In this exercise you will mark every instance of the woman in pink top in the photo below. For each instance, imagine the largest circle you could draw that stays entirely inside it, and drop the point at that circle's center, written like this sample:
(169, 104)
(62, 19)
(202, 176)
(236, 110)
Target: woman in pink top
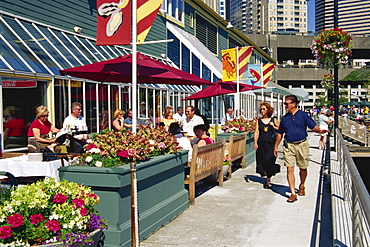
(201, 133)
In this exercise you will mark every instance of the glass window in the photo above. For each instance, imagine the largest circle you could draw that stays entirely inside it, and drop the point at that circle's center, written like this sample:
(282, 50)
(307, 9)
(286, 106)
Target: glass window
(59, 46)
(21, 49)
(103, 106)
(90, 112)
(185, 59)
(206, 73)
(53, 53)
(71, 47)
(195, 65)
(174, 49)
(60, 102)
(19, 114)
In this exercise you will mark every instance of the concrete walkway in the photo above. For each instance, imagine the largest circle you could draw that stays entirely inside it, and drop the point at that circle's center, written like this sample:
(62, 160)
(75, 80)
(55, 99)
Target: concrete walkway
(242, 213)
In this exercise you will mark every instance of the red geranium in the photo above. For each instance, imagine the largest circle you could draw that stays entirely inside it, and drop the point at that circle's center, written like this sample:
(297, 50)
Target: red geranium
(78, 202)
(36, 218)
(60, 198)
(15, 220)
(5, 232)
(53, 225)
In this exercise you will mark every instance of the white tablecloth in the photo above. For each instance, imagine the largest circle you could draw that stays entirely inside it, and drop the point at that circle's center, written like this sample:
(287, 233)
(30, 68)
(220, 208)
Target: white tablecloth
(21, 167)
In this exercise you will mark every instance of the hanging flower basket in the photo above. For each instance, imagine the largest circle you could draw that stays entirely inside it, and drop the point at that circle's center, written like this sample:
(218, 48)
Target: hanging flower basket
(332, 47)
(328, 82)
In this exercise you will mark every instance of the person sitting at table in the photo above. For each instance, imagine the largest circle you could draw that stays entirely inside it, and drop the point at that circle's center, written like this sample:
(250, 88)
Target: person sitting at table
(77, 122)
(201, 133)
(184, 142)
(168, 117)
(38, 133)
(15, 131)
(128, 120)
(118, 122)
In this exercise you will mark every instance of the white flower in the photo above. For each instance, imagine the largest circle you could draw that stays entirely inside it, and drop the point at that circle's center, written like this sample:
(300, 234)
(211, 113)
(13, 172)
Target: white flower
(98, 164)
(94, 150)
(89, 159)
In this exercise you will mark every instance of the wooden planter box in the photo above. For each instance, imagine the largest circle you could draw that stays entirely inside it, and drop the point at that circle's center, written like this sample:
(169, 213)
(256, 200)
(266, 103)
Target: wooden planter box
(161, 194)
(250, 153)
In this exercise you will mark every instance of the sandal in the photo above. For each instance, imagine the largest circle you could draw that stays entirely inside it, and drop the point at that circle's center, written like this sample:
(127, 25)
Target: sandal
(301, 191)
(292, 198)
(267, 185)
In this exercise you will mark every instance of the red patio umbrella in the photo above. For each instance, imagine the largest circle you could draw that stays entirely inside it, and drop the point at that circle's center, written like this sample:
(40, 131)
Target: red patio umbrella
(220, 88)
(149, 70)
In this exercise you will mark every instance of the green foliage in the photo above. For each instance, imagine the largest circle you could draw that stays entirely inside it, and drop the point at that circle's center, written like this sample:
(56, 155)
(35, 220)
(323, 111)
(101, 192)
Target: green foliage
(360, 75)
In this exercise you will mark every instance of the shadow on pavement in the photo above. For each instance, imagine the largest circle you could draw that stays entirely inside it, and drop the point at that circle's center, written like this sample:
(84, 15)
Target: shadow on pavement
(277, 188)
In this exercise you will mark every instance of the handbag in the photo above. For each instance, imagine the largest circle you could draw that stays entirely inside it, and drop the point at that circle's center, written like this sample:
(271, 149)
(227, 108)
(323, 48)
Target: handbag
(274, 131)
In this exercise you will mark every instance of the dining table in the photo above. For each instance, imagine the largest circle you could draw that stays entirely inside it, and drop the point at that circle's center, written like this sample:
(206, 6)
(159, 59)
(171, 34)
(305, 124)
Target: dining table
(20, 166)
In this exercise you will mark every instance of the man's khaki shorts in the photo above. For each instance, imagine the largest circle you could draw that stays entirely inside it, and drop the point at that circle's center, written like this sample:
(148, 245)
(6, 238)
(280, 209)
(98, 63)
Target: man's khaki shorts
(296, 154)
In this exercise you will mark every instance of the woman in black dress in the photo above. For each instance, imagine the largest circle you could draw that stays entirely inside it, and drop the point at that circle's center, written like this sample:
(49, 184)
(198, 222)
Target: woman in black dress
(264, 143)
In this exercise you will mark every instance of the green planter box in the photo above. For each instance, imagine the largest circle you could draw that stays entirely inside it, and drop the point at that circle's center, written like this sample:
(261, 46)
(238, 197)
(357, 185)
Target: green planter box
(250, 153)
(161, 194)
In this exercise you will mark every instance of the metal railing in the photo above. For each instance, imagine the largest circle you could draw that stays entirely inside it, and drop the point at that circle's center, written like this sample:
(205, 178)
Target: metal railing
(354, 192)
(354, 130)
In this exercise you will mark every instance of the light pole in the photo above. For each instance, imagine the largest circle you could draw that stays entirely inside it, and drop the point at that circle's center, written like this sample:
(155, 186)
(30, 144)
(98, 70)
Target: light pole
(336, 86)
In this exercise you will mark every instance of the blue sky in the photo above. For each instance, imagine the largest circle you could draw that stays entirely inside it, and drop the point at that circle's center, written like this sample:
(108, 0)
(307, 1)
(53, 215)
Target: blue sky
(311, 15)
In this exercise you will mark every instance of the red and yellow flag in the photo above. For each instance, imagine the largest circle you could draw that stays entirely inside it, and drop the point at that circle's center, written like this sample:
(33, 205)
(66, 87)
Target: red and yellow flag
(114, 20)
(267, 72)
(229, 62)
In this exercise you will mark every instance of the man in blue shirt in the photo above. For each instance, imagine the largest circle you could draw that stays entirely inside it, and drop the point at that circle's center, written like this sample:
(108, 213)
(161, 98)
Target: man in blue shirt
(127, 123)
(296, 149)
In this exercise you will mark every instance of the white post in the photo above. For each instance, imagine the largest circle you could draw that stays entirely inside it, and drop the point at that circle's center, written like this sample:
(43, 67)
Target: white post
(237, 98)
(134, 65)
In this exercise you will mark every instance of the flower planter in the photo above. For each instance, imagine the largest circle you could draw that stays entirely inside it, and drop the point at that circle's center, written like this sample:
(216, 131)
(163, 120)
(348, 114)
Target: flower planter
(250, 153)
(161, 194)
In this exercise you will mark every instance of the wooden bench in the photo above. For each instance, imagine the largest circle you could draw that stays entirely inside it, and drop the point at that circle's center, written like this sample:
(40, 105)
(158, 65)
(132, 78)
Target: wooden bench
(236, 149)
(205, 161)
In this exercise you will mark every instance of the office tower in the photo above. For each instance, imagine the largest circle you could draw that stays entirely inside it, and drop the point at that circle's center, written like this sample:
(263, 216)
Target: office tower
(269, 16)
(353, 15)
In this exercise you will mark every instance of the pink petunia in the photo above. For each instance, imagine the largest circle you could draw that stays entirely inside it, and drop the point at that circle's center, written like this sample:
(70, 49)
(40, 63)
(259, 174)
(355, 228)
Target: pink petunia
(132, 152)
(35, 218)
(15, 220)
(242, 129)
(5, 232)
(161, 145)
(78, 202)
(83, 211)
(60, 198)
(123, 153)
(93, 195)
(90, 146)
(53, 225)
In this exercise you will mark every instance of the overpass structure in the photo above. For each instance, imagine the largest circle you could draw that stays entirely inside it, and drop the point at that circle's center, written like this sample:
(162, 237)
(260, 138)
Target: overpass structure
(297, 68)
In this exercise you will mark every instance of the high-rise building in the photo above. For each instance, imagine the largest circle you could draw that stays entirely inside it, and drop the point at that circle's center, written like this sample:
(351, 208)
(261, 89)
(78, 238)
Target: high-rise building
(269, 15)
(353, 15)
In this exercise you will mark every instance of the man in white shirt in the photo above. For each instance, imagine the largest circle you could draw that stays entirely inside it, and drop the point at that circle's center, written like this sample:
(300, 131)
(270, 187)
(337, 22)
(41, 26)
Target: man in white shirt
(191, 121)
(76, 122)
(179, 116)
(228, 116)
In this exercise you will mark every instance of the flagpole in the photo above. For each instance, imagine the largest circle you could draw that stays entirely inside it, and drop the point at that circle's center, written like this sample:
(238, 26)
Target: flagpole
(237, 103)
(263, 97)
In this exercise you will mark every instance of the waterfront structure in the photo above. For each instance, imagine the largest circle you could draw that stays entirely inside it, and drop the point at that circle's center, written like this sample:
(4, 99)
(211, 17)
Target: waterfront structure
(267, 16)
(37, 42)
(353, 15)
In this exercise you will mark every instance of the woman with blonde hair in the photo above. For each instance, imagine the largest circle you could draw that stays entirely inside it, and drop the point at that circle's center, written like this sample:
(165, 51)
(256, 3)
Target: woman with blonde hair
(168, 117)
(38, 133)
(118, 122)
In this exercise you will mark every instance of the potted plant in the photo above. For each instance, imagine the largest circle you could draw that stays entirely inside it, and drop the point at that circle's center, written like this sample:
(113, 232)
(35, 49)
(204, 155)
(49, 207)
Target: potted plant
(239, 127)
(49, 212)
(160, 179)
